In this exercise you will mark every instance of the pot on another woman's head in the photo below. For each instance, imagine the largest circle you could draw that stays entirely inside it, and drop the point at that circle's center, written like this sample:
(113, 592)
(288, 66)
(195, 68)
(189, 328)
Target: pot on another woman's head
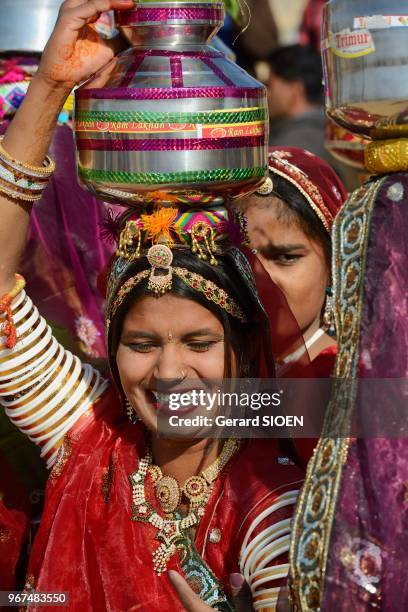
(366, 70)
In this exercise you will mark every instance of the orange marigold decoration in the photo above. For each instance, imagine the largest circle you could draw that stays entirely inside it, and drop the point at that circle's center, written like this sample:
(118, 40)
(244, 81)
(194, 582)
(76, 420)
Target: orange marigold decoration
(159, 224)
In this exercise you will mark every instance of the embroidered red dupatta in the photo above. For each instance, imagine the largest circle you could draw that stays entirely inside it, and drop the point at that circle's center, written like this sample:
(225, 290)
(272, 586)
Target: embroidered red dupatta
(88, 545)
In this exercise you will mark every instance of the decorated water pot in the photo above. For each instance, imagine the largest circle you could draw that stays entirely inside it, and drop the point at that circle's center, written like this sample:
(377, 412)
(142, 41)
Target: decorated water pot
(171, 118)
(365, 45)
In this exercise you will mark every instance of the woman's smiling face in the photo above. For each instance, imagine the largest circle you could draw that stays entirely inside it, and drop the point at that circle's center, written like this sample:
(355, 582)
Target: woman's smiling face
(294, 261)
(163, 341)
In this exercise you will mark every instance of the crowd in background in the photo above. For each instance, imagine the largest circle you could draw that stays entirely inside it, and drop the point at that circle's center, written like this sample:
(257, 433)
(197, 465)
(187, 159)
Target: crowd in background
(281, 47)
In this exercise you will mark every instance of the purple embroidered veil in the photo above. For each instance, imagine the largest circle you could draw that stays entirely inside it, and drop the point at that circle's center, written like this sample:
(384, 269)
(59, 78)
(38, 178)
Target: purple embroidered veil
(350, 544)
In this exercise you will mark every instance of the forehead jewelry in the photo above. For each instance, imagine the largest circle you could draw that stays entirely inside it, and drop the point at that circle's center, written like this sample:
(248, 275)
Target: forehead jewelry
(160, 258)
(170, 336)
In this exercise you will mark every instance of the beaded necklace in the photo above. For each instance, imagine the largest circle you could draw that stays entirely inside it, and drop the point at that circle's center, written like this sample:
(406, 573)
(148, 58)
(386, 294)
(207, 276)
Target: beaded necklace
(171, 530)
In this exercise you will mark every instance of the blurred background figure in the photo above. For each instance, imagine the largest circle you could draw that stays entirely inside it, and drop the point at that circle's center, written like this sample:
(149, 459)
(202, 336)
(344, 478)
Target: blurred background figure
(311, 26)
(295, 100)
(251, 44)
(254, 28)
(288, 17)
(289, 226)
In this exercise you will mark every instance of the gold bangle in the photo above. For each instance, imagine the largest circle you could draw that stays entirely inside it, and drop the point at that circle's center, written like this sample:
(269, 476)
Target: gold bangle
(14, 195)
(18, 173)
(47, 169)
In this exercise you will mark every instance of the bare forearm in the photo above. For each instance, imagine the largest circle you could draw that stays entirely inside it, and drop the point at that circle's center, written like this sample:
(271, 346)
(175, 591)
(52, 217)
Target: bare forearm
(29, 135)
(27, 140)
(71, 56)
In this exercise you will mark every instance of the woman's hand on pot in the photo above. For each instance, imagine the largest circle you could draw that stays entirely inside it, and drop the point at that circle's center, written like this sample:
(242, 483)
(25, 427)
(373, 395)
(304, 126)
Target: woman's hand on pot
(241, 594)
(75, 51)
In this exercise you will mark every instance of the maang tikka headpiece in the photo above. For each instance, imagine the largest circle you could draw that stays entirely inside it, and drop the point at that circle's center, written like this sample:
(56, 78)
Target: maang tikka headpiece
(154, 234)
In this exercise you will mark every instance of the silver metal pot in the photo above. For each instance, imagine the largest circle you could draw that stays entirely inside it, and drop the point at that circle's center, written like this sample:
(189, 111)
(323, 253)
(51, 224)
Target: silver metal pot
(172, 115)
(365, 53)
(26, 25)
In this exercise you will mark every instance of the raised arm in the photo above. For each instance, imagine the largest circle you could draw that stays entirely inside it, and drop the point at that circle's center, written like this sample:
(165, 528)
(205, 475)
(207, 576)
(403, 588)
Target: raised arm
(72, 55)
(43, 388)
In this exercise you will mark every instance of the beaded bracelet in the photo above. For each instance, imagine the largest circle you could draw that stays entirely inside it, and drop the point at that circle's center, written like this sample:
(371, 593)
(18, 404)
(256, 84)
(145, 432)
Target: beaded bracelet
(9, 329)
(47, 169)
(23, 182)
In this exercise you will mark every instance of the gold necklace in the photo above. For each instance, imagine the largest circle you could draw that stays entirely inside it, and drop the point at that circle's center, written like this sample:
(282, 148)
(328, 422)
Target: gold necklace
(171, 531)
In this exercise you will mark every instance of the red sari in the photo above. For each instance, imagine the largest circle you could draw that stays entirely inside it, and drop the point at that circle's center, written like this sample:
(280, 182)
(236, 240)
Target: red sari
(88, 544)
(14, 518)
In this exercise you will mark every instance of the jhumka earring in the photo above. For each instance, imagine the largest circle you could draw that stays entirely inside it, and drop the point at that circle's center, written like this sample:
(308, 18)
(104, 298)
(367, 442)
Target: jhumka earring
(328, 315)
(203, 244)
(130, 241)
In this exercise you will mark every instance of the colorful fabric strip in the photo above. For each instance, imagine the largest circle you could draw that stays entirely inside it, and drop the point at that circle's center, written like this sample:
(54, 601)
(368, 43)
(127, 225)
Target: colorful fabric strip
(87, 118)
(194, 176)
(157, 93)
(170, 144)
(149, 15)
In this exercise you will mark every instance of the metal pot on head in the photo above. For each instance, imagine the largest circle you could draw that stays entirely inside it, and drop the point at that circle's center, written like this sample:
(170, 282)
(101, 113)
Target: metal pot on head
(171, 119)
(365, 46)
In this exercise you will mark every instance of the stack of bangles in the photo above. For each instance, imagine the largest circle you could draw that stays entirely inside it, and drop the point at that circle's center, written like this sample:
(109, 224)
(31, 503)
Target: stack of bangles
(21, 181)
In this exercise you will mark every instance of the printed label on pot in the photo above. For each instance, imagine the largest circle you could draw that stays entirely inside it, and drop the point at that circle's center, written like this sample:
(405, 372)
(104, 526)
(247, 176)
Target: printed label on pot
(231, 130)
(350, 44)
(377, 22)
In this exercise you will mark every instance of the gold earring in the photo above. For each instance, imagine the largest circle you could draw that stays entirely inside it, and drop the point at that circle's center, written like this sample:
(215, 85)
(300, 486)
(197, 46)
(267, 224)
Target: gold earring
(328, 315)
(202, 231)
(130, 241)
(131, 414)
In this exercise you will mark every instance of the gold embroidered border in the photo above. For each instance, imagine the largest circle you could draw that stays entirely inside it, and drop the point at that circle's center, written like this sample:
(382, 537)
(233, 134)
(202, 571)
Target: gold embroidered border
(5, 535)
(64, 453)
(316, 506)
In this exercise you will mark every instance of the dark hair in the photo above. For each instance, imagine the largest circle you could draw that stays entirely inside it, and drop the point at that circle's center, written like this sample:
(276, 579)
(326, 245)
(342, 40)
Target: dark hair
(296, 206)
(299, 63)
(241, 338)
